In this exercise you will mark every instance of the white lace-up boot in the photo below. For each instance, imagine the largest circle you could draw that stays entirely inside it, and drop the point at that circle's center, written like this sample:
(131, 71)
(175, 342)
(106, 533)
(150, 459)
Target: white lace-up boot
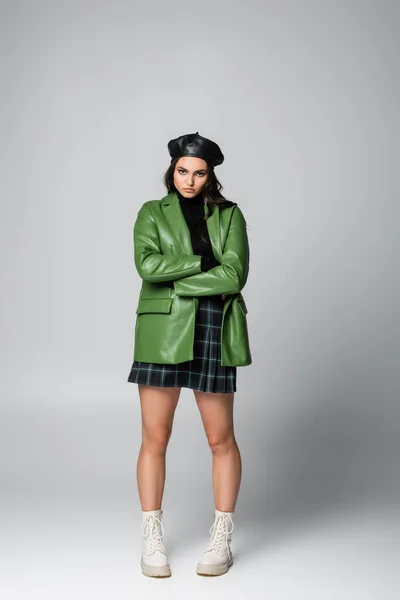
(217, 559)
(154, 560)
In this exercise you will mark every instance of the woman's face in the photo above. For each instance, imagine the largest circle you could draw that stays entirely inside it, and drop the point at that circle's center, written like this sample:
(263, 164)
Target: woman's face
(190, 175)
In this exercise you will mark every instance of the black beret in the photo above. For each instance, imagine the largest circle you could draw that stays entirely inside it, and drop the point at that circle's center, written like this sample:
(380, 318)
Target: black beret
(193, 144)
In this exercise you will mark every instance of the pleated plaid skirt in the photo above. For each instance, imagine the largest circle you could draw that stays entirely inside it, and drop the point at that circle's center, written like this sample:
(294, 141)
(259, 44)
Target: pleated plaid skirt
(205, 372)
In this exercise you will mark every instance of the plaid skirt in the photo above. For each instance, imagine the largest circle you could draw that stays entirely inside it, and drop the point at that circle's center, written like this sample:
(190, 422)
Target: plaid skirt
(204, 372)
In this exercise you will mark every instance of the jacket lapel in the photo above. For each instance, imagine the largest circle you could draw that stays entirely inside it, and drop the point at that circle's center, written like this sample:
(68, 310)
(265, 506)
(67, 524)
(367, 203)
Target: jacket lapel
(174, 215)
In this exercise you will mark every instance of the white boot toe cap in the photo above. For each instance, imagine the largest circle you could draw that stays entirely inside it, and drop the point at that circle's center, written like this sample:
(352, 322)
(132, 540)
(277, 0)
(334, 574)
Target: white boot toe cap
(157, 559)
(211, 557)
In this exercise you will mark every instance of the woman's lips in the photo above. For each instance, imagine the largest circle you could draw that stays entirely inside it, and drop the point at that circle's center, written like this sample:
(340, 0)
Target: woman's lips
(188, 189)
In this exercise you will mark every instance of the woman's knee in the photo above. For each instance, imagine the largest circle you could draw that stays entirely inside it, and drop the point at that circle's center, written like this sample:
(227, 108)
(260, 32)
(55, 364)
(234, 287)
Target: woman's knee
(221, 443)
(155, 438)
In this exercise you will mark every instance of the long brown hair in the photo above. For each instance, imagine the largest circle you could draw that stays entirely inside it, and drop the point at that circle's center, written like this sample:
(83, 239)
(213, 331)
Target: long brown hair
(211, 191)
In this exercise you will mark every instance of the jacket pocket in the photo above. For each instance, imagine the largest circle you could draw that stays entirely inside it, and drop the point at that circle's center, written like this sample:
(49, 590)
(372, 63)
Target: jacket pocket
(242, 306)
(154, 305)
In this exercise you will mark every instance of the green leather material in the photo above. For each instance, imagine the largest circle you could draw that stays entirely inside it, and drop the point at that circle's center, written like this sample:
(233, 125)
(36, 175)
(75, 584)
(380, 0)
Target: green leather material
(165, 316)
(154, 305)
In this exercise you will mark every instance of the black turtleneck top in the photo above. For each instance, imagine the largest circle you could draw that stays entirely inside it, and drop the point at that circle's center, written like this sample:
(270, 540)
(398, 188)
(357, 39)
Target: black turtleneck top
(193, 211)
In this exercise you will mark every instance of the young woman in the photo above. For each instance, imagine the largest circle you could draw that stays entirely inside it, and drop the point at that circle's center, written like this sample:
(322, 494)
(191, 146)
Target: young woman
(191, 251)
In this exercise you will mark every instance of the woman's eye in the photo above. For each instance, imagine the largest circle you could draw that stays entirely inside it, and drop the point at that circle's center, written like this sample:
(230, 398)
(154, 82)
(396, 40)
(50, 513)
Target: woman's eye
(183, 171)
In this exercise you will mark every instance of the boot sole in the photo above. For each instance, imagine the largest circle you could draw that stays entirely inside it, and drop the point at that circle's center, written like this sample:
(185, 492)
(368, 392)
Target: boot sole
(154, 571)
(213, 570)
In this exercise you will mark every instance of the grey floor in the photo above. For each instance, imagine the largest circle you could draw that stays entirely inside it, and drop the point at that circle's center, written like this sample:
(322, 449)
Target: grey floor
(87, 551)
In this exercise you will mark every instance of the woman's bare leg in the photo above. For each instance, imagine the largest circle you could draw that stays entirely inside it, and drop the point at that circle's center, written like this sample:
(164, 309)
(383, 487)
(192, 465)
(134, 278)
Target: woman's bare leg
(216, 412)
(158, 406)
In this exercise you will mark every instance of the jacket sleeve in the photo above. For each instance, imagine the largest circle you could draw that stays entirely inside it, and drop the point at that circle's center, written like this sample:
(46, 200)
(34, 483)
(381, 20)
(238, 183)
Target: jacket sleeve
(150, 263)
(231, 275)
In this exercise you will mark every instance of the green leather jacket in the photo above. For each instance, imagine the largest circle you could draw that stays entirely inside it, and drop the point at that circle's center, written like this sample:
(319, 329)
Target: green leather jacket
(165, 316)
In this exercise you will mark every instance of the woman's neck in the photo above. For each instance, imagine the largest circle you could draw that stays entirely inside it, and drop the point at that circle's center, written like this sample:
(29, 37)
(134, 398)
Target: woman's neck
(196, 199)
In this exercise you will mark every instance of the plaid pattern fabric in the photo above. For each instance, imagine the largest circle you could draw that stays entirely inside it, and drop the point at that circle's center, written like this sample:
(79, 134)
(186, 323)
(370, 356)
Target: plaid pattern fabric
(205, 372)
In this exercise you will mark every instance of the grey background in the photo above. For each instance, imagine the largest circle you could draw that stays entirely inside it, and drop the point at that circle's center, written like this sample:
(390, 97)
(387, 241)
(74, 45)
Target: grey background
(303, 99)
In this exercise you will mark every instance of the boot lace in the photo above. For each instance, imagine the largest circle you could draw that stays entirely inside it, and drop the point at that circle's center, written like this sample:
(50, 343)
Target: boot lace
(153, 528)
(220, 533)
